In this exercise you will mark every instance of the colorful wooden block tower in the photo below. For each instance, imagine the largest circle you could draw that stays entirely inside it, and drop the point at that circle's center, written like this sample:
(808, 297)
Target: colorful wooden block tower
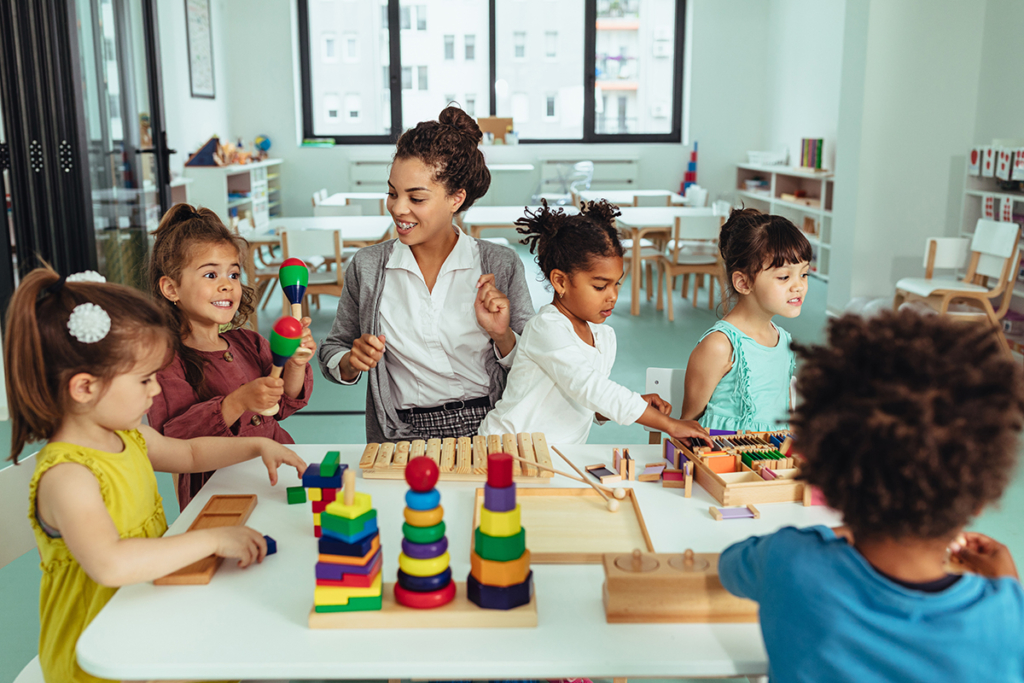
(348, 573)
(500, 576)
(320, 485)
(424, 577)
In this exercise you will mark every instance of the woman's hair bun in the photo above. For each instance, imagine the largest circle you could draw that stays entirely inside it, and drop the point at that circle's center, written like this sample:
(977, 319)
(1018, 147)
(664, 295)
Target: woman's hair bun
(462, 122)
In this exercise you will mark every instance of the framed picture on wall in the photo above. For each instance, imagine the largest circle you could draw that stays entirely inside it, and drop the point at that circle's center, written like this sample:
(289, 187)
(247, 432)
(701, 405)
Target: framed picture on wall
(200, 48)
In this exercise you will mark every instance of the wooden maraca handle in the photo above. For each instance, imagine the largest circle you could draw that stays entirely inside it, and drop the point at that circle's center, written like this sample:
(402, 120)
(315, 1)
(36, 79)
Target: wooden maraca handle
(297, 311)
(275, 372)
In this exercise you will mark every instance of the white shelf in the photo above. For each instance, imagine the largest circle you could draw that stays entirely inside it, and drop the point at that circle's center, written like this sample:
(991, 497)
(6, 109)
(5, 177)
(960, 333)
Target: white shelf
(232, 203)
(788, 170)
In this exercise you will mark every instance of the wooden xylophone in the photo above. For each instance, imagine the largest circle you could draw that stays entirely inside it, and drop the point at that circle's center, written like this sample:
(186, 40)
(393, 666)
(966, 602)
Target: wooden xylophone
(461, 459)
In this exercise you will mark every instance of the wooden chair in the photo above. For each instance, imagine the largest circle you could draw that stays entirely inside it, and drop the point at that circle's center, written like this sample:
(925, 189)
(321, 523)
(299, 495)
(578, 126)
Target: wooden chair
(17, 538)
(994, 253)
(679, 261)
(650, 252)
(327, 282)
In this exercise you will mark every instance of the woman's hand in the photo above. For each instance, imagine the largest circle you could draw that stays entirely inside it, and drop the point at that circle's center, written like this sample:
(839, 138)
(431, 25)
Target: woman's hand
(658, 403)
(982, 555)
(307, 349)
(274, 455)
(365, 354)
(492, 312)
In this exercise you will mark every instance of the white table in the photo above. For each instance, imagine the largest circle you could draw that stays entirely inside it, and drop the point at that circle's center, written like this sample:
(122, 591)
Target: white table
(479, 218)
(356, 231)
(643, 220)
(629, 197)
(253, 623)
(325, 207)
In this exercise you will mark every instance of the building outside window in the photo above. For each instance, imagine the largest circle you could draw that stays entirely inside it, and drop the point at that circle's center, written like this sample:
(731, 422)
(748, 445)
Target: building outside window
(470, 47)
(330, 48)
(422, 77)
(471, 105)
(519, 43)
(405, 17)
(449, 48)
(332, 107)
(549, 106)
(421, 17)
(351, 48)
(551, 44)
(353, 108)
(406, 78)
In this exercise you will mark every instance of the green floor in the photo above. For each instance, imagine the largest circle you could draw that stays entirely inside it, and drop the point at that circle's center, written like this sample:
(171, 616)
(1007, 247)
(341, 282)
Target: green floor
(647, 340)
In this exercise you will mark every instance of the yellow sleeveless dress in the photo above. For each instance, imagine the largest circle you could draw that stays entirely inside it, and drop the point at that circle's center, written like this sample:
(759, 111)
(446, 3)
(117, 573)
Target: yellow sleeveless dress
(68, 599)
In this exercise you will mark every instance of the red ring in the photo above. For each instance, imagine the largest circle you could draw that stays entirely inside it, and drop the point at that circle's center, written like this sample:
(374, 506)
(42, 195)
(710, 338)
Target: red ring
(425, 600)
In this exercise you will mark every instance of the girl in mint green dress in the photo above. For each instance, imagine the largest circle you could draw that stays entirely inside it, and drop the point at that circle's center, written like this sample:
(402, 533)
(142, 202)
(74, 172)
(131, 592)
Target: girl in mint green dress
(738, 377)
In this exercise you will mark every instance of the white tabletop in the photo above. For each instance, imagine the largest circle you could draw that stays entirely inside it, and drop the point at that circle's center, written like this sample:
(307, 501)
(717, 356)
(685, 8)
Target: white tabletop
(627, 196)
(341, 198)
(252, 623)
(510, 167)
(502, 215)
(658, 216)
(353, 228)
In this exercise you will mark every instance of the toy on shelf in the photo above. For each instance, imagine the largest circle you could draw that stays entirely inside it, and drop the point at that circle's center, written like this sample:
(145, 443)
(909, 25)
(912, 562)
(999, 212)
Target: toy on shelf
(744, 468)
(219, 511)
(320, 485)
(660, 588)
(294, 277)
(500, 577)
(348, 573)
(462, 459)
(424, 577)
(285, 339)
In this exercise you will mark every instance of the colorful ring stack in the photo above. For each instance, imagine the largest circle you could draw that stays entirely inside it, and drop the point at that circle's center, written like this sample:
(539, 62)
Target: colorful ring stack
(424, 577)
(348, 573)
(500, 576)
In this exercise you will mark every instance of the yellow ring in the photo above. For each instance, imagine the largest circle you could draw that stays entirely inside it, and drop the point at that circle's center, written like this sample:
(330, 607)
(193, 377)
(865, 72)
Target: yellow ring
(500, 524)
(431, 567)
(424, 518)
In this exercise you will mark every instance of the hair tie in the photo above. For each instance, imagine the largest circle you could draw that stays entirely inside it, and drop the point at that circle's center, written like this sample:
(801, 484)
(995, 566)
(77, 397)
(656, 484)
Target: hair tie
(86, 276)
(88, 323)
(52, 289)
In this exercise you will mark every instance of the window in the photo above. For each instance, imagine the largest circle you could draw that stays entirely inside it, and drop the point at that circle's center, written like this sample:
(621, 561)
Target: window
(565, 70)
(447, 99)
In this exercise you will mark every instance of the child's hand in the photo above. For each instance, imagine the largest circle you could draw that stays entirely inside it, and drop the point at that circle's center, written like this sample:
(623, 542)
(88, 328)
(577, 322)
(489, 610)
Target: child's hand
(689, 429)
(241, 542)
(258, 395)
(982, 555)
(366, 353)
(658, 403)
(274, 455)
(492, 307)
(307, 349)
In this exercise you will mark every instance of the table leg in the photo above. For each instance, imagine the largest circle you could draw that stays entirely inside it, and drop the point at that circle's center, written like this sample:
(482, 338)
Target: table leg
(634, 275)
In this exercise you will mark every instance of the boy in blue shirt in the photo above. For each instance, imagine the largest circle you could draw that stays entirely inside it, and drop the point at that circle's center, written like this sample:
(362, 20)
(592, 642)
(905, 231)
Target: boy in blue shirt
(909, 426)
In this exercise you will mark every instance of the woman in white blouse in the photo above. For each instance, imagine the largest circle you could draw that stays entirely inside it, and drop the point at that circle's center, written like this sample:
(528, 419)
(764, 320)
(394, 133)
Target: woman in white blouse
(432, 317)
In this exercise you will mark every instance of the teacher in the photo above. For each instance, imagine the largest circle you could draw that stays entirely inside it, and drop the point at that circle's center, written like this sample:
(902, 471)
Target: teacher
(433, 317)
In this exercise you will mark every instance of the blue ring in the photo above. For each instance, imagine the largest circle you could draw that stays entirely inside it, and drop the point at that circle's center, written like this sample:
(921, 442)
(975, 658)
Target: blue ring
(422, 501)
(424, 584)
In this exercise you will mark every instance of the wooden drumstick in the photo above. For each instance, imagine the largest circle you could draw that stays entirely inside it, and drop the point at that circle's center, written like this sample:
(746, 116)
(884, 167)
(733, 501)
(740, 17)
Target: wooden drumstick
(618, 493)
(613, 505)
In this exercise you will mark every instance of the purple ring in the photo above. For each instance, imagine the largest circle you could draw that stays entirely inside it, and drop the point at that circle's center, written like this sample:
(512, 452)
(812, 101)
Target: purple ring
(424, 551)
(500, 499)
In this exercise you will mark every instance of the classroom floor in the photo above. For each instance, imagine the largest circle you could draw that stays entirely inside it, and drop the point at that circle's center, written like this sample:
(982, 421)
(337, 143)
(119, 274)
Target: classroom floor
(647, 340)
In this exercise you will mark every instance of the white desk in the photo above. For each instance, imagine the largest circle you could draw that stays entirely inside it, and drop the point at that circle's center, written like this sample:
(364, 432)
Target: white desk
(479, 218)
(643, 220)
(628, 197)
(325, 207)
(356, 231)
(499, 168)
(252, 623)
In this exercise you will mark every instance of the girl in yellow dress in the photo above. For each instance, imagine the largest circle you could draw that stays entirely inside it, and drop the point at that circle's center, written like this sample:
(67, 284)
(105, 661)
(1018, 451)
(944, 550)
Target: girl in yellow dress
(81, 359)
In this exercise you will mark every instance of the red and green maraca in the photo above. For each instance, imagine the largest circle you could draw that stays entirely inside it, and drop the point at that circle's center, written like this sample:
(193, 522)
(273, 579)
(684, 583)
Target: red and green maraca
(285, 340)
(294, 276)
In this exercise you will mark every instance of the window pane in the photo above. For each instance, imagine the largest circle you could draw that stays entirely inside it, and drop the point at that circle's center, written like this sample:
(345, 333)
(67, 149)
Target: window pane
(527, 76)
(405, 16)
(427, 51)
(406, 78)
(634, 66)
(345, 79)
(471, 105)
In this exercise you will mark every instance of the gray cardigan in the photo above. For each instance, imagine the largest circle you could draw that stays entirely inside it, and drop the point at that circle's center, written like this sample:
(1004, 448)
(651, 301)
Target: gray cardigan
(359, 314)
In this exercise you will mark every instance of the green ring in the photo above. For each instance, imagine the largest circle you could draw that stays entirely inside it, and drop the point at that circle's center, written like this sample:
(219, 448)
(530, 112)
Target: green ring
(500, 548)
(423, 534)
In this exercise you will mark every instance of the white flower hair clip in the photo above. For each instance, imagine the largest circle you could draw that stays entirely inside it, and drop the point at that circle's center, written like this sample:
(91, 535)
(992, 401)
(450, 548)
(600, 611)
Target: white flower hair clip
(86, 276)
(88, 323)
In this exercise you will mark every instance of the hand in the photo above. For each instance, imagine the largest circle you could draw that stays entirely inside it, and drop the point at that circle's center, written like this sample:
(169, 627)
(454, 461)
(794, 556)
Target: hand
(492, 308)
(258, 395)
(365, 354)
(658, 403)
(982, 555)
(248, 545)
(274, 455)
(689, 429)
(307, 349)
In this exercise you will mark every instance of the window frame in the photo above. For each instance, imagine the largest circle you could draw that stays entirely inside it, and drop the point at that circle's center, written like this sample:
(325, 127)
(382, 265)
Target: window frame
(590, 136)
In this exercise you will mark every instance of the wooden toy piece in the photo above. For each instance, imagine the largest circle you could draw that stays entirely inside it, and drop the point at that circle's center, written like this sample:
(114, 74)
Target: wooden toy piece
(628, 465)
(807, 496)
(424, 584)
(540, 449)
(421, 474)
(651, 472)
(311, 478)
(349, 480)
(424, 551)
(342, 528)
(423, 534)
(329, 465)
(369, 455)
(419, 448)
(271, 545)
(501, 574)
(499, 597)
(688, 478)
(219, 511)
(337, 551)
(350, 580)
(427, 567)
(296, 495)
(385, 455)
(369, 603)
(722, 464)
(368, 530)
(618, 492)
(464, 455)
(324, 596)
(499, 469)
(334, 571)
(285, 339)
(613, 505)
(527, 455)
(315, 495)
(434, 450)
(500, 500)
(415, 500)
(479, 455)
(424, 518)
(499, 548)
(500, 524)
(294, 277)
(747, 512)
(316, 518)
(401, 456)
(601, 472)
(672, 479)
(662, 588)
(463, 459)
(418, 600)
(448, 454)
(510, 445)
(494, 443)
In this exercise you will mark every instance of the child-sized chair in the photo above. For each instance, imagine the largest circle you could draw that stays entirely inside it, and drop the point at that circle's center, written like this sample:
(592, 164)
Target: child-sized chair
(681, 261)
(17, 538)
(327, 282)
(994, 254)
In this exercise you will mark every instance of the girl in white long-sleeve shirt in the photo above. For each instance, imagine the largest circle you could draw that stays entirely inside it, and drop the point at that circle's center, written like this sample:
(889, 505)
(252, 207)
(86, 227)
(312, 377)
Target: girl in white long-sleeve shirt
(559, 383)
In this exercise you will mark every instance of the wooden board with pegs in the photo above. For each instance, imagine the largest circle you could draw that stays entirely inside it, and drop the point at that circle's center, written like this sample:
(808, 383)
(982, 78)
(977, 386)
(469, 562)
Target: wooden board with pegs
(758, 482)
(463, 459)
(459, 613)
(643, 588)
(574, 526)
(219, 511)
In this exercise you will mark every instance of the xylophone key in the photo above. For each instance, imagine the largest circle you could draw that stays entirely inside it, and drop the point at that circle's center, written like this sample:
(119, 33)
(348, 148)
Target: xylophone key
(369, 456)
(479, 454)
(434, 450)
(508, 443)
(419, 447)
(464, 455)
(526, 453)
(401, 457)
(447, 463)
(494, 444)
(387, 451)
(540, 449)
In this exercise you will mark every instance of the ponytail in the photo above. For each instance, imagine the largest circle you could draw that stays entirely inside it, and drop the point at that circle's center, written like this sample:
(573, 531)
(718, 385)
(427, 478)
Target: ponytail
(571, 243)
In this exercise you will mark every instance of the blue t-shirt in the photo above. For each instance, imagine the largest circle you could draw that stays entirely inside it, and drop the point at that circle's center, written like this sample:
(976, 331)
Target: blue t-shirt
(828, 615)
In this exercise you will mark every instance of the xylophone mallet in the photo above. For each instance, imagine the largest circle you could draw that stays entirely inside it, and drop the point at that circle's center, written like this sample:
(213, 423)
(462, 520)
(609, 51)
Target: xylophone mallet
(613, 505)
(285, 339)
(294, 277)
(619, 493)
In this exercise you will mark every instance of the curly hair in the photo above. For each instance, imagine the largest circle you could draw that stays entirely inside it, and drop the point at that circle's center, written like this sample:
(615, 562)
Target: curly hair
(182, 231)
(450, 146)
(571, 242)
(751, 241)
(909, 423)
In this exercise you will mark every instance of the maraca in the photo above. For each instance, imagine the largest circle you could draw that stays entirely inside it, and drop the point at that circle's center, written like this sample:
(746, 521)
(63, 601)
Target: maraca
(285, 339)
(294, 276)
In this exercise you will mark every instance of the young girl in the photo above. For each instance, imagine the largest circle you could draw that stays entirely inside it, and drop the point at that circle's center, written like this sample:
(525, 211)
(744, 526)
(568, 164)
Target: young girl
(217, 383)
(739, 375)
(82, 358)
(559, 383)
(433, 316)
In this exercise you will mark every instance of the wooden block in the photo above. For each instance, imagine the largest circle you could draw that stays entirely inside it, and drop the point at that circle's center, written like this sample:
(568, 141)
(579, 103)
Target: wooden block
(314, 494)
(369, 456)
(271, 544)
(629, 465)
(526, 452)
(459, 613)
(651, 472)
(434, 451)
(317, 519)
(311, 478)
(688, 475)
(424, 518)
(500, 524)
(362, 503)
(329, 465)
(479, 455)
(328, 495)
(370, 603)
(339, 552)
(219, 511)
(493, 443)
(499, 548)
(603, 474)
(672, 479)
(429, 567)
(346, 526)
(419, 447)
(508, 444)
(722, 464)
(617, 465)
(333, 567)
(296, 495)
(501, 574)
(431, 600)
(401, 457)
(424, 584)
(499, 597)
(331, 595)
(662, 588)
(746, 512)
(447, 463)
(499, 470)
(464, 455)
(540, 449)
(369, 530)
(423, 534)
(384, 456)
(500, 499)
(339, 576)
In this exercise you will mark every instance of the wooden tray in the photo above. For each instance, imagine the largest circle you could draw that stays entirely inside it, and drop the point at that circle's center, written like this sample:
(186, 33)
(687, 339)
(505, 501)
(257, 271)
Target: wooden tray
(219, 511)
(463, 459)
(573, 526)
(459, 613)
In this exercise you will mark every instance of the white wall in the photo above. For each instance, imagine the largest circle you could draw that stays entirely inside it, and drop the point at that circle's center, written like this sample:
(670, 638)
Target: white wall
(1000, 112)
(191, 121)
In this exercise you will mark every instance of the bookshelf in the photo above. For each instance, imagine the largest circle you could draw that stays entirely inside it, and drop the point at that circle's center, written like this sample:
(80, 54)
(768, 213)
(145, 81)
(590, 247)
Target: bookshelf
(256, 186)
